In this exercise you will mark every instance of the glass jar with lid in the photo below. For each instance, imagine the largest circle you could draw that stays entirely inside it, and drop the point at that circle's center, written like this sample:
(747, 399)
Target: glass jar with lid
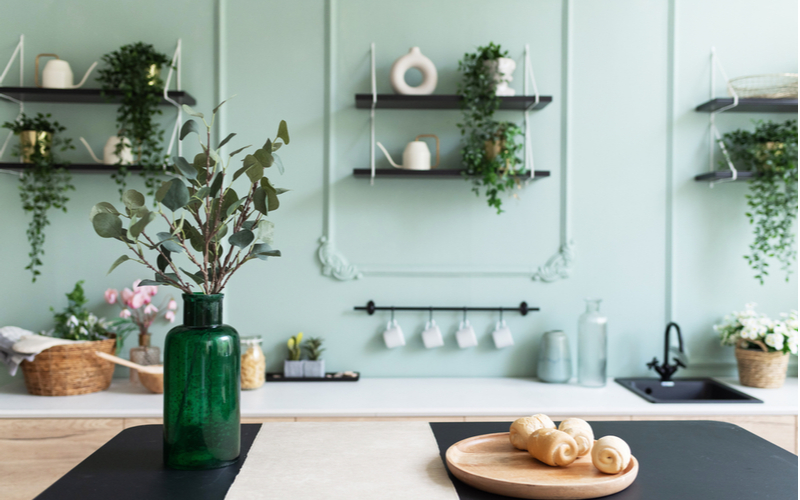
(254, 364)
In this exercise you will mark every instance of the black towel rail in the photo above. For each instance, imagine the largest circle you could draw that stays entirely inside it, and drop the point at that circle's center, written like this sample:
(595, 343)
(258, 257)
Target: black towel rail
(522, 308)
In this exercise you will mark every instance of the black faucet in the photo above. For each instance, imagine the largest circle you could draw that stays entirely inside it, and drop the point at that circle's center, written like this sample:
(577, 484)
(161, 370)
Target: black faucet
(666, 370)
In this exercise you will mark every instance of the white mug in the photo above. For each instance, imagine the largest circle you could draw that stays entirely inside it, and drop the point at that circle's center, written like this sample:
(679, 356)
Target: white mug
(432, 335)
(502, 335)
(393, 336)
(465, 336)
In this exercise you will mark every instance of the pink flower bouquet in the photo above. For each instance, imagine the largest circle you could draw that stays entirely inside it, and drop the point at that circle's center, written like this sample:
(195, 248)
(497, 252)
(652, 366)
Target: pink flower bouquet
(137, 305)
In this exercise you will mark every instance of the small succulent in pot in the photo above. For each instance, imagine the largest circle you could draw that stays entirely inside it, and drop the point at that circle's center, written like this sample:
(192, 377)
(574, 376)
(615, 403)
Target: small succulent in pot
(293, 367)
(314, 367)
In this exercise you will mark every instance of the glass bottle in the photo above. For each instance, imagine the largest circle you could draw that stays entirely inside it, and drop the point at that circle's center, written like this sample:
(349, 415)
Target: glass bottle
(254, 364)
(592, 346)
(144, 354)
(201, 388)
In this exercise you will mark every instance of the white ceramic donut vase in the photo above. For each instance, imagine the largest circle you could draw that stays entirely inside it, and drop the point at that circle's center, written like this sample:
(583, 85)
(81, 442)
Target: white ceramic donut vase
(414, 59)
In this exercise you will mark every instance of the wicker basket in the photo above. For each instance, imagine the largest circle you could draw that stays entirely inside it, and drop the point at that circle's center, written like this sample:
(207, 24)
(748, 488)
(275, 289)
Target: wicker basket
(763, 369)
(773, 86)
(67, 370)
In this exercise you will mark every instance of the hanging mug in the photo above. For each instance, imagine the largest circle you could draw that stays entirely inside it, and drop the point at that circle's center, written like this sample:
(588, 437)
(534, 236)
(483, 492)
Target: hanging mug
(465, 336)
(393, 335)
(432, 335)
(502, 335)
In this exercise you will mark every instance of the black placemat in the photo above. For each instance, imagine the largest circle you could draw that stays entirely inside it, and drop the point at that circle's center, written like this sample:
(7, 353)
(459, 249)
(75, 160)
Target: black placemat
(678, 460)
(131, 466)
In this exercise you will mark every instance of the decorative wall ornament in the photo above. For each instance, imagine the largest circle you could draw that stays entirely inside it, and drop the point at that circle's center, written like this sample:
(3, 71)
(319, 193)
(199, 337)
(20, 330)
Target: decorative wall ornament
(414, 59)
(334, 264)
(559, 266)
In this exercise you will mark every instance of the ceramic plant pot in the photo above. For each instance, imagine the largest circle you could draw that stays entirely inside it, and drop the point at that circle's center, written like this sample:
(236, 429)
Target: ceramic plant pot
(201, 388)
(501, 70)
(314, 369)
(293, 369)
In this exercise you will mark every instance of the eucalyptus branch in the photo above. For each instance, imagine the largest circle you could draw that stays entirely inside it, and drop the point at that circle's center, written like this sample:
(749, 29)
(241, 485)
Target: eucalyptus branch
(171, 263)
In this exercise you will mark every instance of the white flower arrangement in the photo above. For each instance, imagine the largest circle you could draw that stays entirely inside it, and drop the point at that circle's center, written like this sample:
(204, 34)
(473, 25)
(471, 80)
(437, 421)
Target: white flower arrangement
(751, 330)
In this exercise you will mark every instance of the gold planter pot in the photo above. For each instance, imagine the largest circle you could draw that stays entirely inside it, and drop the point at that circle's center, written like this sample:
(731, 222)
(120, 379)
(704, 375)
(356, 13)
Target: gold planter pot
(31, 140)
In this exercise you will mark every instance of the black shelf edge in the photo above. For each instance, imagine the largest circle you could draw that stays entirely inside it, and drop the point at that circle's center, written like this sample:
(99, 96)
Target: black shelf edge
(83, 96)
(750, 105)
(81, 168)
(445, 101)
(723, 174)
(427, 174)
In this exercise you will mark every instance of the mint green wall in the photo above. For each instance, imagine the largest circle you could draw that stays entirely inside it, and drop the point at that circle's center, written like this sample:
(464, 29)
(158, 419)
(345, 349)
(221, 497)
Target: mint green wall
(650, 241)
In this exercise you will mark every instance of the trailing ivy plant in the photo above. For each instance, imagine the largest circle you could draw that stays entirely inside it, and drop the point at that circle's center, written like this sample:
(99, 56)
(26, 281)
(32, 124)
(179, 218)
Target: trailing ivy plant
(199, 211)
(770, 152)
(43, 184)
(489, 147)
(130, 70)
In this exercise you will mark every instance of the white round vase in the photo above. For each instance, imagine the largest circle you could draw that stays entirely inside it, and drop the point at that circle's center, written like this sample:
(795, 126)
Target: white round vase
(414, 59)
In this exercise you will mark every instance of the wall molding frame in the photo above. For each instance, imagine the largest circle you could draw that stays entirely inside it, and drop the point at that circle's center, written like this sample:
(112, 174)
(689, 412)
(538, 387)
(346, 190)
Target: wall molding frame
(336, 266)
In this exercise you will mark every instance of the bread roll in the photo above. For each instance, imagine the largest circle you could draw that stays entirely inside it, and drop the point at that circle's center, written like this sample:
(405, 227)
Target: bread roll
(581, 432)
(611, 454)
(553, 447)
(523, 427)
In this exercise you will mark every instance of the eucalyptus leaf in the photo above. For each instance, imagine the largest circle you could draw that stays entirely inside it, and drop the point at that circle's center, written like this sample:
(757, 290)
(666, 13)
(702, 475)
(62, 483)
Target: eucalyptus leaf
(260, 200)
(215, 156)
(223, 102)
(177, 196)
(107, 225)
(162, 191)
(151, 283)
(225, 140)
(103, 207)
(185, 168)
(263, 250)
(278, 162)
(239, 151)
(272, 195)
(255, 172)
(133, 199)
(233, 206)
(283, 132)
(193, 235)
(189, 127)
(163, 259)
(169, 242)
(117, 262)
(197, 277)
(240, 172)
(216, 184)
(191, 112)
(137, 228)
(282, 190)
(229, 198)
(264, 156)
(242, 239)
(222, 230)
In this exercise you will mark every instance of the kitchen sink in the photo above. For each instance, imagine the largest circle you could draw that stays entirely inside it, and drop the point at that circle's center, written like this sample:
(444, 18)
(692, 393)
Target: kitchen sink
(685, 390)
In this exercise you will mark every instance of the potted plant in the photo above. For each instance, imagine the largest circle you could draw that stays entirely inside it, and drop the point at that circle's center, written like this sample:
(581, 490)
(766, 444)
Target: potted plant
(136, 304)
(134, 70)
(200, 220)
(45, 182)
(489, 147)
(762, 345)
(293, 366)
(70, 369)
(314, 367)
(770, 152)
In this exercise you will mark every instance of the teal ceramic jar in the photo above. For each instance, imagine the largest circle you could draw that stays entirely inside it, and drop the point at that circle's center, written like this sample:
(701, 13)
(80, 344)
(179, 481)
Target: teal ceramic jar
(201, 388)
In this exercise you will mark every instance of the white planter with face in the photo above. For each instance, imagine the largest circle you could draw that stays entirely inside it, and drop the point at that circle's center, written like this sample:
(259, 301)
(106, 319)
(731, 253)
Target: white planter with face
(501, 70)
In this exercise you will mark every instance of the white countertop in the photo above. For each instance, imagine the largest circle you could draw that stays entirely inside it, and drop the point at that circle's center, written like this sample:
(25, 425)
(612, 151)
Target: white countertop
(399, 397)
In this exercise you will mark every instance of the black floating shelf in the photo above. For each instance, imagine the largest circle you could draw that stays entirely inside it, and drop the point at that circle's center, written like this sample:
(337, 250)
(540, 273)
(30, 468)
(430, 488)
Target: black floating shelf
(723, 174)
(751, 105)
(84, 96)
(427, 174)
(446, 101)
(81, 168)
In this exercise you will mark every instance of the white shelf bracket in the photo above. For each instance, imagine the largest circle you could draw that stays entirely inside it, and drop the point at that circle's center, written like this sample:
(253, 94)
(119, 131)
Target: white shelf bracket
(529, 77)
(372, 117)
(714, 135)
(19, 50)
(175, 66)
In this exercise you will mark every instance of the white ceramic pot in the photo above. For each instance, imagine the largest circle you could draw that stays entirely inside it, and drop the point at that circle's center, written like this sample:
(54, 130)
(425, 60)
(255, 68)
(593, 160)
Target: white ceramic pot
(501, 70)
(293, 369)
(314, 369)
(414, 59)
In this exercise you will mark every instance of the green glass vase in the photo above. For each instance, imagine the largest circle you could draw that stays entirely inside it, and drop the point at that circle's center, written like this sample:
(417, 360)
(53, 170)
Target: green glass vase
(201, 388)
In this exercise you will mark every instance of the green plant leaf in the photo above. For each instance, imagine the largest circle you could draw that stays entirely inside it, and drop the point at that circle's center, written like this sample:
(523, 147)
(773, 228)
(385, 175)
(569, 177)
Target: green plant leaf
(282, 190)
(223, 102)
(229, 198)
(215, 156)
(185, 168)
(239, 151)
(233, 206)
(163, 260)
(260, 200)
(169, 242)
(225, 140)
(264, 156)
(264, 230)
(262, 251)
(107, 225)
(137, 228)
(162, 191)
(191, 112)
(283, 132)
(151, 283)
(189, 127)
(177, 195)
(133, 199)
(117, 262)
(254, 169)
(239, 172)
(197, 277)
(278, 162)
(193, 235)
(222, 230)
(272, 195)
(103, 207)
(216, 184)
(242, 239)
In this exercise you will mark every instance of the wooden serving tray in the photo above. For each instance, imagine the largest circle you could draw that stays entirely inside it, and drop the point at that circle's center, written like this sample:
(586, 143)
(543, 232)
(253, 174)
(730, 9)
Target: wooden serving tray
(490, 463)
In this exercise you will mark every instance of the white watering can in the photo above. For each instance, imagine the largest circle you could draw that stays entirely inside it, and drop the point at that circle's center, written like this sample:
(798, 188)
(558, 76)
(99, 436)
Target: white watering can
(416, 156)
(57, 74)
(110, 156)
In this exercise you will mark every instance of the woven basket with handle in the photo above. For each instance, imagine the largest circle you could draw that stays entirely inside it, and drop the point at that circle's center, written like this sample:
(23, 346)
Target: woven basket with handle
(763, 369)
(67, 370)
